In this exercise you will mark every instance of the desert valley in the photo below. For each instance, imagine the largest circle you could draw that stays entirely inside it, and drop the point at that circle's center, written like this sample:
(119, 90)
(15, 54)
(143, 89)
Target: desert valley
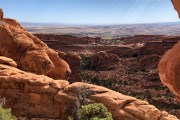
(127, 65)
(33, 76)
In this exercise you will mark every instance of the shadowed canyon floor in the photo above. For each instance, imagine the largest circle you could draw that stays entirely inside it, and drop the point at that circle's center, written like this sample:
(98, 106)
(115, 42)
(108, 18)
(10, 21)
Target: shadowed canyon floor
(127, 65)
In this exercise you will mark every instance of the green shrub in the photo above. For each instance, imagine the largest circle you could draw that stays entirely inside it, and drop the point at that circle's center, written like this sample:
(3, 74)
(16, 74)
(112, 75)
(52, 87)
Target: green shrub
(96, 111)
(5, 114)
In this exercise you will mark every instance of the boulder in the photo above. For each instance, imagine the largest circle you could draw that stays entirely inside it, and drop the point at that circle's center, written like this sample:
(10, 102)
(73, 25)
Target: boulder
(59, 84)
(30, 53)
(169, 67)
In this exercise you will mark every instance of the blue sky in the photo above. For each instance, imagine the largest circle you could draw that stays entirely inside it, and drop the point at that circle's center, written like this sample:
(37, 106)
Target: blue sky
(90, 11)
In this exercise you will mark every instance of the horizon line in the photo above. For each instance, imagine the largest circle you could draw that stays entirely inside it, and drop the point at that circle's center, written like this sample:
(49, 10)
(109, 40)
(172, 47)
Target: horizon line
(97, 24)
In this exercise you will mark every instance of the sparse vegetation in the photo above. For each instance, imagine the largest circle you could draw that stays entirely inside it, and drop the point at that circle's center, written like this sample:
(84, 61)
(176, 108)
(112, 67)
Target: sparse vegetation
(96, 111)
(85, 109)
(130, 87)
(111, 42)
(5, 114)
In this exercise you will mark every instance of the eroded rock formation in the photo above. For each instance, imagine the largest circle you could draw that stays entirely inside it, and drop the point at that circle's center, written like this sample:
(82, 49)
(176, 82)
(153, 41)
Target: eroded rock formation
(29, 52)
(7, 61)
(169, 70)
(74, 61)
(103, 60)
(169, 65)
(38, 96)
(28, 94)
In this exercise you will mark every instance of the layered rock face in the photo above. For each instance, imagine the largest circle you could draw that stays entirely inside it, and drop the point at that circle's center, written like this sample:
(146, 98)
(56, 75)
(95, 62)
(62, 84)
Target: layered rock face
(38, 96)
(7, 61)
(28, 94)
(67, 42)
(29, 52)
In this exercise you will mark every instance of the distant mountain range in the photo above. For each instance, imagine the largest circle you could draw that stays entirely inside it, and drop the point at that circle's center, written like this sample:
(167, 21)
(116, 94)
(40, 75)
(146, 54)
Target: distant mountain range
(29, 24)
(105, 31)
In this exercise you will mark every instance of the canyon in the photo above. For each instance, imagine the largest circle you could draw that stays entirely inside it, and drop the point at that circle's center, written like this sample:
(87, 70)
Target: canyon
(34, 80)
(128, 65)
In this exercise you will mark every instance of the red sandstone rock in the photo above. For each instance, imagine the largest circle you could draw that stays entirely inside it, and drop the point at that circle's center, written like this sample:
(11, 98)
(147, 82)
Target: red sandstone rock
(59, 84)
(176, 4)
(74, 61)
(30, 95)
(122, 107)
(7, 61)
(29, 52)
(169, 70)
(169, 65)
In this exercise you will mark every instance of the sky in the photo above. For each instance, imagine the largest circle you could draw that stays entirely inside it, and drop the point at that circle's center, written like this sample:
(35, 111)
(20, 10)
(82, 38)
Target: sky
(90, 11)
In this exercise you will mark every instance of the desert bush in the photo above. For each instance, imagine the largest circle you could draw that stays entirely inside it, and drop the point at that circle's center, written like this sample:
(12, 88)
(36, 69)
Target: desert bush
(96, 111)
(85, 109)
(5, 114)
(82, 99)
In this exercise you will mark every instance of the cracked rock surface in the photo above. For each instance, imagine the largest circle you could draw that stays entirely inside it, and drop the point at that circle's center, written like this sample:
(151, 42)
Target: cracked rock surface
(32, 96)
